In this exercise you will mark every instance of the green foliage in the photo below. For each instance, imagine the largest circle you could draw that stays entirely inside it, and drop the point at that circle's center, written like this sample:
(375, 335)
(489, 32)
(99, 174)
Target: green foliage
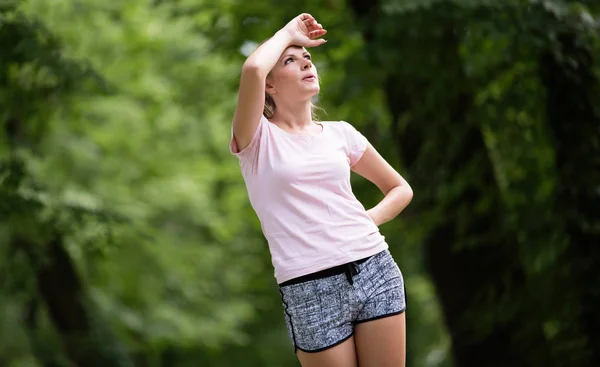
(460, 66)
(115, 123)
(143, 160)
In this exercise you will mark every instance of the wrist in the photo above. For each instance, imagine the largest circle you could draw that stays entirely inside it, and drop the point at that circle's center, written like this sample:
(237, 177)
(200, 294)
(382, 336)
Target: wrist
(286, 35)
(374, 216)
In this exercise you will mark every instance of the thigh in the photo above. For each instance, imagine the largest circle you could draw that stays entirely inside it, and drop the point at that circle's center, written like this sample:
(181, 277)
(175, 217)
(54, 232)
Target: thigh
(341, 355)
(318, 315)
(381, 342)
(380, 331)
(383, 286)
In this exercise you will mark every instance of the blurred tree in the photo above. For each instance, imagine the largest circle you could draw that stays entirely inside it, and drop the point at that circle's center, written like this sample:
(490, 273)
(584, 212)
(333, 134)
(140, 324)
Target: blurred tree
(33, 70)
(170, 267)
(568, 72)
(487, 277)
(467, 251)
(125, 227)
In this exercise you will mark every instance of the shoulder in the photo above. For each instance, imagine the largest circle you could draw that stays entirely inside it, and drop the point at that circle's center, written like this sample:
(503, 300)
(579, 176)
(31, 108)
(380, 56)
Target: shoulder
(334, 123)
(341, 127)
(338, 125)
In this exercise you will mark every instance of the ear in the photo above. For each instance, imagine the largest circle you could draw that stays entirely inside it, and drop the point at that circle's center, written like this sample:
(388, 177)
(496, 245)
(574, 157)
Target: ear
(269, 88)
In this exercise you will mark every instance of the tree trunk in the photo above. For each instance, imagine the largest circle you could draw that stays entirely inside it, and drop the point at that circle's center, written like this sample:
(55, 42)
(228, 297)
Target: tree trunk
(45, 354)
(86, 340)
(572, 114)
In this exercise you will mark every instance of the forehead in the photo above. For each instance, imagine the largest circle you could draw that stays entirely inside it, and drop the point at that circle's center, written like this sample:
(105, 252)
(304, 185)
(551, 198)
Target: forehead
(294, 50)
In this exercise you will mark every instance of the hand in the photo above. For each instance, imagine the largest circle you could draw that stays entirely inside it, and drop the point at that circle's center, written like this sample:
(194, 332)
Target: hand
(305, 30)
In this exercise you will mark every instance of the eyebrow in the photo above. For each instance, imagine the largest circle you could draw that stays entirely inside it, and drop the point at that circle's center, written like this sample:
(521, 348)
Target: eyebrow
(304, 53)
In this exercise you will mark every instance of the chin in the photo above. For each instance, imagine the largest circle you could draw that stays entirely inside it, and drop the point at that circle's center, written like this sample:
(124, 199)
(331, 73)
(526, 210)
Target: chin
(309, 94)
(315, 91)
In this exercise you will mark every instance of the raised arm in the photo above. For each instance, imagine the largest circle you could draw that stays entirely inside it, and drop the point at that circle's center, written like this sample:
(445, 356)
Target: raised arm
(300, 31)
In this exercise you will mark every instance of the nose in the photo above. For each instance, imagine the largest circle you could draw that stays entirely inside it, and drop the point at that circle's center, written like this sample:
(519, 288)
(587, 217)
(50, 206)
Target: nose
(307, 64)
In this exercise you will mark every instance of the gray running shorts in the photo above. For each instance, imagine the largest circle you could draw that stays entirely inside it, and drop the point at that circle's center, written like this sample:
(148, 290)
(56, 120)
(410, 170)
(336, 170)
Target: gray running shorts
(322, 308)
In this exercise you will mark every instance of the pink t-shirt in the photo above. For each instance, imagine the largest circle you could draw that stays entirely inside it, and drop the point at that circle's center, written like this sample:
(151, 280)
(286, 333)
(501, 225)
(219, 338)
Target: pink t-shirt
(299, 186)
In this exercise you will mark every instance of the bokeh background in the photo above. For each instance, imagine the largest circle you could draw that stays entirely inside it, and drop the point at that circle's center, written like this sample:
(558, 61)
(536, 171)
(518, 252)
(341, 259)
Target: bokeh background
(126, 235)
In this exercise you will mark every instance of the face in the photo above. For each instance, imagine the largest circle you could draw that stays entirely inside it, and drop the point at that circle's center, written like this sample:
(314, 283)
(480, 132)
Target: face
(294, 77)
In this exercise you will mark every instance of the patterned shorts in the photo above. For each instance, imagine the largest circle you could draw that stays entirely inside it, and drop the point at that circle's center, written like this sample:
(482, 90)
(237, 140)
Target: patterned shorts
(322, 308)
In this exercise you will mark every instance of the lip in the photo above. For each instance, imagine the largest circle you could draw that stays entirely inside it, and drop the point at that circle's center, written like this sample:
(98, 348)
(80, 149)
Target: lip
(309, 78)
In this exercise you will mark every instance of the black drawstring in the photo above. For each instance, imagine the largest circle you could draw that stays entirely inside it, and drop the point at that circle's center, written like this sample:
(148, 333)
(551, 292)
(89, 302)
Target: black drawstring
(351, 270)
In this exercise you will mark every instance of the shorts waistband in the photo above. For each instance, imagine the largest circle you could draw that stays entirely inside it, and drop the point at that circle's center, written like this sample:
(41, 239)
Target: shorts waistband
(348, 268)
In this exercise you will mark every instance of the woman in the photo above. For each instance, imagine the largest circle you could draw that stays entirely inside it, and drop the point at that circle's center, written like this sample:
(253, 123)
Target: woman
(342, 292)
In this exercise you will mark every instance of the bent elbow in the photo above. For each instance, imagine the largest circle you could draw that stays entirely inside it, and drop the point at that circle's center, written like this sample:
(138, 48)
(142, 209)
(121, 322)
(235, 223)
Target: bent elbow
(408, 192)
(252, 69)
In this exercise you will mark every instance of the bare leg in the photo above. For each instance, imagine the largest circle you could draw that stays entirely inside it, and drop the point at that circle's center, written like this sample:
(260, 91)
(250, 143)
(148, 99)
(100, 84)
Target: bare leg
(342, 355)
(382, 342)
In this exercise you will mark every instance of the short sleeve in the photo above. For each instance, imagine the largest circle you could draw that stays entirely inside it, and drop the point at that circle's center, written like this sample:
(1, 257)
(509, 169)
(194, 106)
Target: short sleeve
(357, 143)
(252, 148)
(249, 156)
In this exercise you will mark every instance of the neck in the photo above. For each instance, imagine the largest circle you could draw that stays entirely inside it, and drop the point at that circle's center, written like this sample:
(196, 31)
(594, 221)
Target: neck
(294, 116)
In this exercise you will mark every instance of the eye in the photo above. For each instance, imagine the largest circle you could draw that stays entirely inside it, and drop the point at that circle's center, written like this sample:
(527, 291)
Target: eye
(308, 57)
(287, 60)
